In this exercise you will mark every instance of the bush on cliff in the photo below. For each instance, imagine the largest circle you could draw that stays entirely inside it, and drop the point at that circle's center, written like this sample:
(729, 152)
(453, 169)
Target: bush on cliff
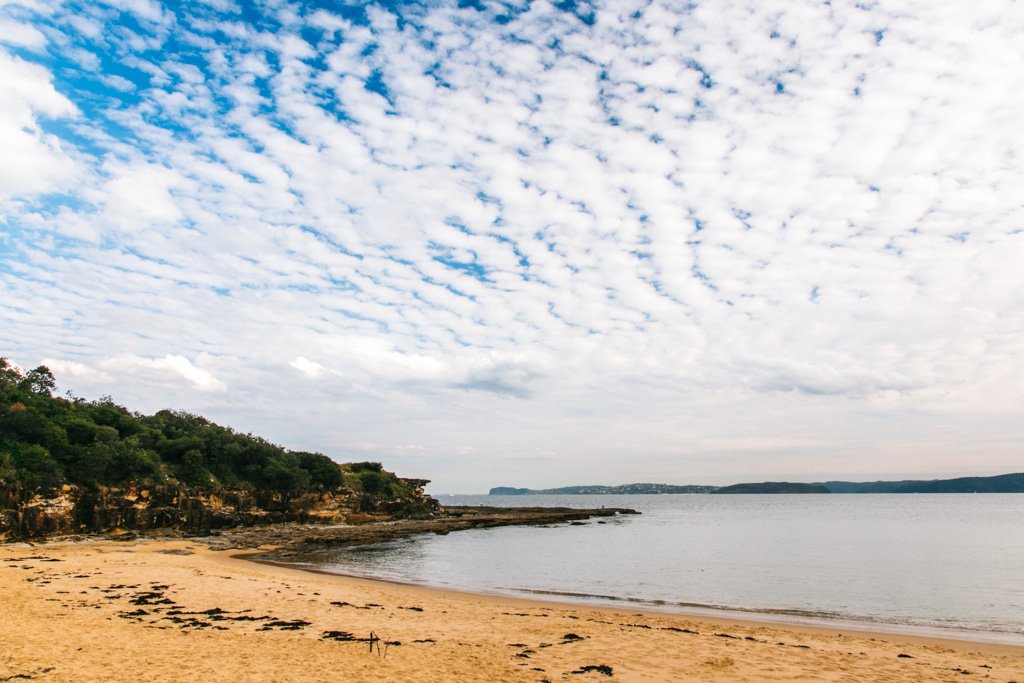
(46, 441)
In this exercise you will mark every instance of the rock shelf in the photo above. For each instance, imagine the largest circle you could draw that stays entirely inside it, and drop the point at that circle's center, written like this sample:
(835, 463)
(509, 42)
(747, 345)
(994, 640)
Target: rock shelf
(288, 539)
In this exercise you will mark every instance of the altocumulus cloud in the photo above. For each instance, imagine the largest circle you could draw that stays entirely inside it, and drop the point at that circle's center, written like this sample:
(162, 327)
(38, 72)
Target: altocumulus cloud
(496, 240)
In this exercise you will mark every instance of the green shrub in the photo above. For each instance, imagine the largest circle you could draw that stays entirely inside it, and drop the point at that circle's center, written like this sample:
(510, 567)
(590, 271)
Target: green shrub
(361, 466)
(322, 470)
(192, 470)
(374, 482)
(34, 467)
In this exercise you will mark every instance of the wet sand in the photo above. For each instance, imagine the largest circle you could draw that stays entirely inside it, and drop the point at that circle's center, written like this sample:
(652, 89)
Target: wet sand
(179, 611)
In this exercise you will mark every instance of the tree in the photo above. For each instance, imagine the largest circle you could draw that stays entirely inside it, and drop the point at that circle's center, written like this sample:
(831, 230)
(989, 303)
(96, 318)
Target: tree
(322, 470)
(9, 374)
(7, 471)
(192, 469)
(132, 463)
(282, 475)
(89, 464)
(39, 381)
(35, 467)
(49, 440)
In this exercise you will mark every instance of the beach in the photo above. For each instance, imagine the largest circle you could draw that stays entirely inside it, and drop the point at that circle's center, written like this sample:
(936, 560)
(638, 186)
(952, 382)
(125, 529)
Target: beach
(177, 610)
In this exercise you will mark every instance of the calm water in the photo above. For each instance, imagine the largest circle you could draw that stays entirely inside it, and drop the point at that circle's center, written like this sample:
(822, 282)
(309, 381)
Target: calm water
(944, 563)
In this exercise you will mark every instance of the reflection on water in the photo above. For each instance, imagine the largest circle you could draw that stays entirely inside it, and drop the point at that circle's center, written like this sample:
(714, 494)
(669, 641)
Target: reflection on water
(944, 561)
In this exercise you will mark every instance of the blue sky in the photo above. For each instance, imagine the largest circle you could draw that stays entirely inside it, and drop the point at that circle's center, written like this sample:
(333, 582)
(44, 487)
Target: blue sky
(530, 243)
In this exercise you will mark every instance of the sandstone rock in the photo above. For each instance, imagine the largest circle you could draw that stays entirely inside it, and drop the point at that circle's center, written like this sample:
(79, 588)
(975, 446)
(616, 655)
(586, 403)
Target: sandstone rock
(76, 510)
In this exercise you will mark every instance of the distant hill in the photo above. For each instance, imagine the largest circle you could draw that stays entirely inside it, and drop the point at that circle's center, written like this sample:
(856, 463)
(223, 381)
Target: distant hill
(623, 489)
(1003, 483)
(773, 487)
(866, 486)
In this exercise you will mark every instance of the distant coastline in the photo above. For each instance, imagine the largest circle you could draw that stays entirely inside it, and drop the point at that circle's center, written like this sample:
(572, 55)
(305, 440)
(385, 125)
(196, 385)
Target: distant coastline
(1002, 483)
(625, 489)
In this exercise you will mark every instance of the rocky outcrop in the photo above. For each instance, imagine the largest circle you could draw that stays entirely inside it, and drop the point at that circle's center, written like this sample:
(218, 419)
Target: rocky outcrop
(72, 510)
(296, 539)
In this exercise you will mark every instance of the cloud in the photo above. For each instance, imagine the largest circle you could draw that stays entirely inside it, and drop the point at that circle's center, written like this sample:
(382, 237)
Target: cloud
(314, 370)
(550, 224)
(34, 161)
(22, 35)
(170, 367)
(73, 371)
(307, 367)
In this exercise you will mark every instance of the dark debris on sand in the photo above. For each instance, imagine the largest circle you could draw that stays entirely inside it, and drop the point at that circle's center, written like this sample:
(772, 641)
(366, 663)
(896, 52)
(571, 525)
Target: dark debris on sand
(603, 669)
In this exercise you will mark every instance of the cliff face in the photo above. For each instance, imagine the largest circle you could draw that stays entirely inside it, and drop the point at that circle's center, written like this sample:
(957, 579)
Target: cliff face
(74, 510)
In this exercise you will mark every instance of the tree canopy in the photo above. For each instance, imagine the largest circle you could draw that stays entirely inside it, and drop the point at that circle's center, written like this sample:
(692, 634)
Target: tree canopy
(47, 440)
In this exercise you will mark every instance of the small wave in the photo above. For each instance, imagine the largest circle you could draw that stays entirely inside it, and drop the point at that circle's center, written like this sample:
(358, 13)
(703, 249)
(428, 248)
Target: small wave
(831, 618)
(980, 632)
(684, 605)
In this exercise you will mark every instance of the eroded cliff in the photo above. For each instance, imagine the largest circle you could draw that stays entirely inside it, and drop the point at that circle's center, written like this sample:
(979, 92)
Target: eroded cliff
(69, 509)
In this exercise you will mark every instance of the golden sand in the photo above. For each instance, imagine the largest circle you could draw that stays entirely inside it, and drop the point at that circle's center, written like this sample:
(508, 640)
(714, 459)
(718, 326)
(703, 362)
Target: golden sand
(177, 611)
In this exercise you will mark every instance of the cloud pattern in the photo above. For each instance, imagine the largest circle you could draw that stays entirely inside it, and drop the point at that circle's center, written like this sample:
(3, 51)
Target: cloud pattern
(651, 239)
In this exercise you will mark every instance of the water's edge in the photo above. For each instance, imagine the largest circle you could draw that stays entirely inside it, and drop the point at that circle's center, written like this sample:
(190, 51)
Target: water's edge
(934, 566)
(827, 621)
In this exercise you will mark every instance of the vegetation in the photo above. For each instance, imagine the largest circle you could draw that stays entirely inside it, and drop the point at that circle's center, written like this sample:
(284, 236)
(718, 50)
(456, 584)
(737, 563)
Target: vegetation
(1002, 483)
(47, 441)
(773, 487)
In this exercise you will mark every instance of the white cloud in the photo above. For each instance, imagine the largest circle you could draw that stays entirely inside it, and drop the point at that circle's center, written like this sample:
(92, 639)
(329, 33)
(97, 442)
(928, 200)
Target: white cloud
(31, 160)
(72, 371)
(313, 370)
(307, 367)
(21, 35)
(578, 243)
(170, 367)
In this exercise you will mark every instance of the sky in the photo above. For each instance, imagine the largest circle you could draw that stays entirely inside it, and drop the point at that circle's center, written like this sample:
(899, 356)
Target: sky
(530, 243)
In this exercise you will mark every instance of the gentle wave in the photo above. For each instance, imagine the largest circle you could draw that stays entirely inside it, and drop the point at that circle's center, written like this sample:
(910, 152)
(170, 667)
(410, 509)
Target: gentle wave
(830, 619)
(802, 615)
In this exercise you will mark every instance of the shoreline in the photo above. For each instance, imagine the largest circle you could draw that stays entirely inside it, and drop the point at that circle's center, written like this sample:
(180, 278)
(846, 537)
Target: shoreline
(988, 641)
(179, 610)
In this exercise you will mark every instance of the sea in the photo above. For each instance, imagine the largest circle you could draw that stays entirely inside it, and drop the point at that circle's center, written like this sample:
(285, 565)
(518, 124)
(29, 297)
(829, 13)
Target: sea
(947, 565)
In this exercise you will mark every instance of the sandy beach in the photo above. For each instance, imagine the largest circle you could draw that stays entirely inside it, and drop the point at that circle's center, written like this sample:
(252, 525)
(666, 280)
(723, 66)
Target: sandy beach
(179, 611)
